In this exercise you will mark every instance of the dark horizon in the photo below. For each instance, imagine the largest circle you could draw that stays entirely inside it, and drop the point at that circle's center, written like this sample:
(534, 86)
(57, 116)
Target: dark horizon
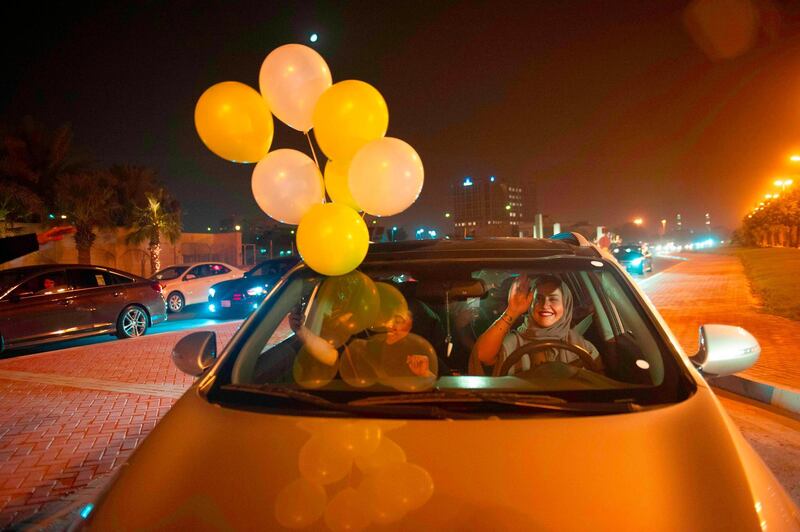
(615, 115)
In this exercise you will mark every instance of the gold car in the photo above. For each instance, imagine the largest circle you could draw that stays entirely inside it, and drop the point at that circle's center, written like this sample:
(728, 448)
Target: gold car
(372, 400)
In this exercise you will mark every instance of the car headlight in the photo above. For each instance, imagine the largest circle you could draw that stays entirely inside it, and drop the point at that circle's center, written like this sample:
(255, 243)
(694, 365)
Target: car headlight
(637, 261)
(255, 291)
(211, 292)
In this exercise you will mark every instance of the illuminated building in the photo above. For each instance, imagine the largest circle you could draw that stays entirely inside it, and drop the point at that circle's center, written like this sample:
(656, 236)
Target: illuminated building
(492, 206)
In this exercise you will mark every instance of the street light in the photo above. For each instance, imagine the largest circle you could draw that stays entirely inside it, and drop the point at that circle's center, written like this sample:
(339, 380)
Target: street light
(638, 221)
(447, 215)
(238, 227)
(783, 183)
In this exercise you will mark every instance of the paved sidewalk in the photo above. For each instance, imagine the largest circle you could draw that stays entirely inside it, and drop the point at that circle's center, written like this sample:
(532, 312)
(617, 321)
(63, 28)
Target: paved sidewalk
(709, 288)
(72, 415)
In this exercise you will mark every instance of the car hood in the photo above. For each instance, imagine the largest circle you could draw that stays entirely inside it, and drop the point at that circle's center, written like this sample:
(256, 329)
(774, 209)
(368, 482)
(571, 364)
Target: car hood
(241, 283)
(682, 467)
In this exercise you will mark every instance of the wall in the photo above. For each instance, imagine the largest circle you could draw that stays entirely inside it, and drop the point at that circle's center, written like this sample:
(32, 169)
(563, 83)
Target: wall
(110, 249)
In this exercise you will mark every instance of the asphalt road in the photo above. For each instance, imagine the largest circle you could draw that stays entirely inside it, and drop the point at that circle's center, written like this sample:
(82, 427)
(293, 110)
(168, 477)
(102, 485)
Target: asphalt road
(192, 317)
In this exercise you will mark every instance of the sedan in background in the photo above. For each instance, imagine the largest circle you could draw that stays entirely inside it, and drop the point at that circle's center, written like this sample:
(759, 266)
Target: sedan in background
(239, 297)
(43, 304)
(188, 284)
(635, 258)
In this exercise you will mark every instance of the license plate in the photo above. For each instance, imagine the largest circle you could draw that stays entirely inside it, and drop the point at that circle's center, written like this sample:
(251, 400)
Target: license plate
(226, 303)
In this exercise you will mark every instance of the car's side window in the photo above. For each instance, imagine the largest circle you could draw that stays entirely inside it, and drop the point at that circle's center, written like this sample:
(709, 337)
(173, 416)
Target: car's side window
(113, 278)
(85, 278)
(44, 284)
(198, 271)
(219, 269)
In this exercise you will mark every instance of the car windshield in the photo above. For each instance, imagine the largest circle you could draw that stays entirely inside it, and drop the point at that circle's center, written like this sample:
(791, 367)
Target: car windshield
(428, 327)
(172, 272)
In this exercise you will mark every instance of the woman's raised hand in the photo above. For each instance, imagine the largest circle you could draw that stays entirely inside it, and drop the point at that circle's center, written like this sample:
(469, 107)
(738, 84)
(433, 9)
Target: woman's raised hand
(519, 297)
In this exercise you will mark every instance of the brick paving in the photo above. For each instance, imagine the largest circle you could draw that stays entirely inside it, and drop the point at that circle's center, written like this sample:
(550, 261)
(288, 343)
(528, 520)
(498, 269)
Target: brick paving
(710, 288)
(69, 416)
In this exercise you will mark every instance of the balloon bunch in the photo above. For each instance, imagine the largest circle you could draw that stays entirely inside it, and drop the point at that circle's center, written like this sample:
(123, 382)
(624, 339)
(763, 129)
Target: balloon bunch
(366, 171)
(367, 474)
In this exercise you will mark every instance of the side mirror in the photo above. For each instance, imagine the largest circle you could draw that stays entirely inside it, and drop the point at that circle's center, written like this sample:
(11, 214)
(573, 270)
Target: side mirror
(193, 354)
(725, 349)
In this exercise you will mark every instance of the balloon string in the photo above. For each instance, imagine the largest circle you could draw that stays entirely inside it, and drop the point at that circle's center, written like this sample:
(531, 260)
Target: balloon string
(310, 145)
(314, 153)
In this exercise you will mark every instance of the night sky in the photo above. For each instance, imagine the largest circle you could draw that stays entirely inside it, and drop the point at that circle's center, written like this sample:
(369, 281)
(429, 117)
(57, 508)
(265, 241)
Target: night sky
(611, 106)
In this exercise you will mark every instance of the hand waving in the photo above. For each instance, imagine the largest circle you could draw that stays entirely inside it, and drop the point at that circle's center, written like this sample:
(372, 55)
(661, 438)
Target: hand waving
(519, 297)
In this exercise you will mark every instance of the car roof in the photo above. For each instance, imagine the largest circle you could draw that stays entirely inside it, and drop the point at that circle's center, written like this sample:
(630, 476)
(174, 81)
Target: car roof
(479, 248)
(42, 268)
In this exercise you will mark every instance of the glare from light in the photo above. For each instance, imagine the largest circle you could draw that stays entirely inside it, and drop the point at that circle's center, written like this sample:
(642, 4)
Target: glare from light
(86, 510)
(238, 227)
(795, 158)
(211, 292)
(212, 308)
(314, 37)
(447, 215)
(638, 221)
(491, 179)
(467, 182)
(255, 291)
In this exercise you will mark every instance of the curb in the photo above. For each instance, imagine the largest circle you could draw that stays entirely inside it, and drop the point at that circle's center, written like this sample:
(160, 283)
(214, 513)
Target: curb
(758, 391)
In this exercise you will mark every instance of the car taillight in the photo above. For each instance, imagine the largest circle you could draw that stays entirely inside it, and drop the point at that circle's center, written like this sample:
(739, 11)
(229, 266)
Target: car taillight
(157, 287)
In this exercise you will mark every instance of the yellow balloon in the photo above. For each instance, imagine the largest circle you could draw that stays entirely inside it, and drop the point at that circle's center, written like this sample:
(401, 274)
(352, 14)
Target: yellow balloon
(234, 122)
(332, 239)
(392, 304)
(348, 115)
(336, 184)
(345, 305)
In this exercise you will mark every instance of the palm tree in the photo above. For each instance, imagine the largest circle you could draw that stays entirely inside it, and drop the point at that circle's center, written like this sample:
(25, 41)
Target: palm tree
(89, 199)
(133, 185)
(161, 218)
(31, 161)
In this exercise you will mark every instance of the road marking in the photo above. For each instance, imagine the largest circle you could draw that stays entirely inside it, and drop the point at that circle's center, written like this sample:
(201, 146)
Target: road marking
(161, 390)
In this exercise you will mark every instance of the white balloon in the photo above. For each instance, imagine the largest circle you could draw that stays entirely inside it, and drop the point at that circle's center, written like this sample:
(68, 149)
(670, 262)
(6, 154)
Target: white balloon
(291, 79)
(386, 176)
(286, 183)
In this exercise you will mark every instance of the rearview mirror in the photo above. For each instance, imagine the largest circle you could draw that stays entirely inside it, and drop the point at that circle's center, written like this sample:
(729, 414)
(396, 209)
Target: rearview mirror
(195, 353)
(458, 290)
(725, 349)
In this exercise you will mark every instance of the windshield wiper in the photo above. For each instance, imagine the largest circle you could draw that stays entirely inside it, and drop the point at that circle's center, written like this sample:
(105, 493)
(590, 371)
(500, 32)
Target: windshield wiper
(397, 409)
(541, 402)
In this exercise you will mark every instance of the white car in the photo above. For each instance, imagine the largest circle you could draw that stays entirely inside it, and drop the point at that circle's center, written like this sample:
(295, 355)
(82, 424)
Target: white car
(188, 284)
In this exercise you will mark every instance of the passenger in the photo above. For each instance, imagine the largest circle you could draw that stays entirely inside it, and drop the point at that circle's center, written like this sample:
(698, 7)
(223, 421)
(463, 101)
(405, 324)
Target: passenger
(548, 319)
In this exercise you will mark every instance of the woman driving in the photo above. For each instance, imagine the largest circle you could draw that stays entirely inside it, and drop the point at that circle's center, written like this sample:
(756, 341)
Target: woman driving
(548, 319)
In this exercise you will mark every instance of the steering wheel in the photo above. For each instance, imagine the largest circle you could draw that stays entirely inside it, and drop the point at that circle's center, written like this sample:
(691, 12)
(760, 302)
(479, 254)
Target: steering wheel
(529, 348)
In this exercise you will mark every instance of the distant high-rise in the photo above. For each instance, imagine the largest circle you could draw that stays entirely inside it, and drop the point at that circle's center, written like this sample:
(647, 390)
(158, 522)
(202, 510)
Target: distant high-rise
(492, 206)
